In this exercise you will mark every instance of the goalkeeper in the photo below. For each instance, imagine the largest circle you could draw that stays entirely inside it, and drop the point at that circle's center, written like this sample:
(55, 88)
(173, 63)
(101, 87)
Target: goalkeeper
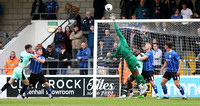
(131, 60)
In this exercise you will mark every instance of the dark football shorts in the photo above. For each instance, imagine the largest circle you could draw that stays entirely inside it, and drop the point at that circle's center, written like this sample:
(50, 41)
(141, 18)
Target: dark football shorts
(169, 75)
(148, 75)
(35, 78)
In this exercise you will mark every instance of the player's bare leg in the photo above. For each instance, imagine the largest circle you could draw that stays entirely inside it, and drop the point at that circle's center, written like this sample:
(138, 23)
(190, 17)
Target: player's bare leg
(176, 82)
(164, 88)
(127, 86)
(25, 86)
(139, 79)
(48, 88)
(11, 81)
(154, 88)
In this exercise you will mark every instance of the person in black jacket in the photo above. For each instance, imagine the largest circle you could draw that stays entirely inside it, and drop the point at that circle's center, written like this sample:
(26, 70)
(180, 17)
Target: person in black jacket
(64, 56)
(38, 7)
(51, 55)
(59, 40)
(125, 7)
(98, 6)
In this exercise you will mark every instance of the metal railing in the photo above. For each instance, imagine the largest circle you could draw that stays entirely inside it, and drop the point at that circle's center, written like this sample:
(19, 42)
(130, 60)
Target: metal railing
(42, 14)
(5, 36)
(90, 68)
(15, 33)
(187, 71)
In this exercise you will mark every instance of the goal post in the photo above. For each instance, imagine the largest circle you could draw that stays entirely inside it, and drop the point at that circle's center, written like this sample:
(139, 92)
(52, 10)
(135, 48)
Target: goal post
(182, 32)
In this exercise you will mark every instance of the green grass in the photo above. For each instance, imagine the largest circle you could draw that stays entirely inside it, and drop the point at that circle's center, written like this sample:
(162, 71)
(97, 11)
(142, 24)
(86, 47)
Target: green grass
(149, 101)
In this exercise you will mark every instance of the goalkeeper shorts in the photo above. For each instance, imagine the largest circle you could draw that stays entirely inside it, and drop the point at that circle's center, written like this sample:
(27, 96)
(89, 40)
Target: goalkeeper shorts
(132, 63)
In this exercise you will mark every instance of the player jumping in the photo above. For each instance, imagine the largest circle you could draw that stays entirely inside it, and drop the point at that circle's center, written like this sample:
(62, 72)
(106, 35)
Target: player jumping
(148, 68)
(130, 79)
(131, 60)
(36, 73)
(173, 63)
(19, 71)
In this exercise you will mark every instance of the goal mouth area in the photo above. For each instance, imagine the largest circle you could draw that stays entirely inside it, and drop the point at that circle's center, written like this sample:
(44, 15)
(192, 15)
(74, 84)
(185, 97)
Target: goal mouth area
(183, 33)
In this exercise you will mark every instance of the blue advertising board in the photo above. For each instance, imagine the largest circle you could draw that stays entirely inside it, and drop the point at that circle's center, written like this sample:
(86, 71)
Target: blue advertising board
(191, 85)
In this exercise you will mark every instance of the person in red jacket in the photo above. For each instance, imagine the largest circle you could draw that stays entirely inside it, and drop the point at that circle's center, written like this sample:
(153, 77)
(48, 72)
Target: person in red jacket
(11, 63)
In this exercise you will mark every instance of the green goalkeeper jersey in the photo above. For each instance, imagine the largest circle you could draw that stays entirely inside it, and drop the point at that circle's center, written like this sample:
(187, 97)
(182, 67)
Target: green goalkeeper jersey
(122, 46)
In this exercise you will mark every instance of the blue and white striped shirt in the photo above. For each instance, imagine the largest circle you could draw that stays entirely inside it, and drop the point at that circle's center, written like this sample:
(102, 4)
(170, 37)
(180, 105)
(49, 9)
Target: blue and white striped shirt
(148, 64)
(36, 66)
(172, 59)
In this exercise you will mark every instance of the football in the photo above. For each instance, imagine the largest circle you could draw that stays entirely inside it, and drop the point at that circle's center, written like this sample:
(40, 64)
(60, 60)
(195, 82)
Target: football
(108, 7)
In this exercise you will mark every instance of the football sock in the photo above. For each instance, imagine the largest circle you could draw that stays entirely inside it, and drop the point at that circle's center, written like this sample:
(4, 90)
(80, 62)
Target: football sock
(164, 89)
(27, 90)
(141, 79)
(23, 89)
(48, 90)
(131, 90)
(125, 91)
(181, 90)
(137, 79)
(155, 89)
(5, 86)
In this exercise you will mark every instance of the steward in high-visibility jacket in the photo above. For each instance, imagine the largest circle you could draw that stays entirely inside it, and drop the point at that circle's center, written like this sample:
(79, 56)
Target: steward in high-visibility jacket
(11, 63)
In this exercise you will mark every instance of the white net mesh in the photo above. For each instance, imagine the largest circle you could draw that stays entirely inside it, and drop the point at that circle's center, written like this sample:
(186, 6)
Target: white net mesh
(185, 39)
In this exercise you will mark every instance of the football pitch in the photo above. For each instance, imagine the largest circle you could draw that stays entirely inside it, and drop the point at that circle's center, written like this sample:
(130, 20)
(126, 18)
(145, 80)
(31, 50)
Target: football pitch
(149, 101)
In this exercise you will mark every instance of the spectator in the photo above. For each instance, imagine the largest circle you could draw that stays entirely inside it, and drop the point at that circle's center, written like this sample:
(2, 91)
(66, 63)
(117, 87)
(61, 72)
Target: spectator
(186, 13)
(1, 45)
(59, 40)
(11, 63)
(1, 10)
(136, 25)
(68, 42)
(101, 29)
(77, 38)
(51, 7)
(197, 15)
(90, 39)
(99, 7)
(74, 13)
(83, 55)
(135, 39)
(108, 40)
(157, 10)
(115, 62)
(125, 7)
(102, 51)
(133, 5)
(87, 21)
(64, 56)
(146, 36)
(150, 5)
(187, 2)
(51, 55)
(196, 50)
(157, 27)
(176, 14)
(165, 28)
(168, 6)
(142, 12)
(197, 5)
(157, 58)
(38, 6)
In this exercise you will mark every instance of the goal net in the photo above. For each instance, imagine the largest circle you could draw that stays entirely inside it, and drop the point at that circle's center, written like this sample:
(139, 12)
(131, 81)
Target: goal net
(183, 33)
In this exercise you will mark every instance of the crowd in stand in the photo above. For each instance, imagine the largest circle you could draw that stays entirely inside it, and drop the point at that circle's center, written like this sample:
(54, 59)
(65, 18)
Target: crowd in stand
(71, 43)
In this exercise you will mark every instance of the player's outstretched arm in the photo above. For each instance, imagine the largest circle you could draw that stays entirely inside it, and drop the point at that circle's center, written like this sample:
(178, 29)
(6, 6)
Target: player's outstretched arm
(143, 58)
(119, 32)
